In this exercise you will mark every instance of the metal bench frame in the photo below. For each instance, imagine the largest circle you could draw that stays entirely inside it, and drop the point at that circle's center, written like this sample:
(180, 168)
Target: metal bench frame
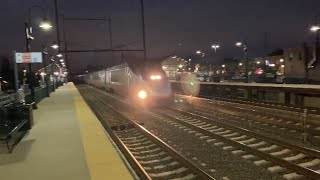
(13, 131)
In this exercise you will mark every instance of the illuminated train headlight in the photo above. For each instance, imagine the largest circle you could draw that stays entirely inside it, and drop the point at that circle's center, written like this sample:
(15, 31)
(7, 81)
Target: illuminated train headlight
(142, 94)
(155, 77)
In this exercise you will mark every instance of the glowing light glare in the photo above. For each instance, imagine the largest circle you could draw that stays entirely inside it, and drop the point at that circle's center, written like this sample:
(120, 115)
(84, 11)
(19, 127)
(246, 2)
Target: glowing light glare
(198, 52)
(45, 24)
(180, 66)
(239, 44)
(24, 71)
(281, 60)
(56, 73)
(258, 62)
(155, 77)
(272, 65)
(282, 66)
(61, 60)
(223, 65)
(164, 67)
(142, 94)
(59, 55)
(42, 74)
(240, 64)
(259, 71)
(315, 28)
(215, 46)
(55, 46)
(191, 85)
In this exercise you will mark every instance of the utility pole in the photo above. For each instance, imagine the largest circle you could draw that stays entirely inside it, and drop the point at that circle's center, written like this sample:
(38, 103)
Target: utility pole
(57, 23)
(65, 43)
(143, 31)
(110, 36)
(44, 53)
(28, 49)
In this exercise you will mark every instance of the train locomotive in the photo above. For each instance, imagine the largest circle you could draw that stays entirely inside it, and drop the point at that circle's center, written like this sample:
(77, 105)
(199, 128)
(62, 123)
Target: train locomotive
(145, 85)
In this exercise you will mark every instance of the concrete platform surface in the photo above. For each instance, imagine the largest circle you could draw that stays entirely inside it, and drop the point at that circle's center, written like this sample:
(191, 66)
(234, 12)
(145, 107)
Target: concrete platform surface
(67, 142)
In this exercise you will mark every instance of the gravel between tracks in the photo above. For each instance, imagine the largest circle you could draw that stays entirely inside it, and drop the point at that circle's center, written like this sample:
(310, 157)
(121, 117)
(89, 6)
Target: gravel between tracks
(214, 160)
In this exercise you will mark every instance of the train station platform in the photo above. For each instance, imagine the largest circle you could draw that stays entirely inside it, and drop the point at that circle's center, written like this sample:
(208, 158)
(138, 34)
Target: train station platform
(67, 142)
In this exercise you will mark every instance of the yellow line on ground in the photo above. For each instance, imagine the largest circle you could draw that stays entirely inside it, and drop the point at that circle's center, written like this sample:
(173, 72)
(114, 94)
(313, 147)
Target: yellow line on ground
(103, 161)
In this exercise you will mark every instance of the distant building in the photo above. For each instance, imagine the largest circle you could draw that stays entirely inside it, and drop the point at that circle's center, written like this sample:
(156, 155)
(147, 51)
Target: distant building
(174, 66)
(294, 65)
(301, 64)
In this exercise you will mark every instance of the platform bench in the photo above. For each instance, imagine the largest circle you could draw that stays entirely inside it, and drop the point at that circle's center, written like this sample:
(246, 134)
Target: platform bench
(8, 129)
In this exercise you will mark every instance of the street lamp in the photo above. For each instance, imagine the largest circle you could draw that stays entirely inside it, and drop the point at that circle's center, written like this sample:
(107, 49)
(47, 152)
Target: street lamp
(45, 24)
(55, 46)
(316, 29)
(244, 47)
(215, 47)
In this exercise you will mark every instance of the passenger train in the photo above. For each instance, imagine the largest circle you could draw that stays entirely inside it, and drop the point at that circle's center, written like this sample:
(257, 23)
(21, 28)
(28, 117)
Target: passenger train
(145, 85)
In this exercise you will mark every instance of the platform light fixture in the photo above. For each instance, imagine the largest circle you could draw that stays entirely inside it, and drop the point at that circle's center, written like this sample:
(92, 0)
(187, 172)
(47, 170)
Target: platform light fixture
(45, 24)
(55, 46)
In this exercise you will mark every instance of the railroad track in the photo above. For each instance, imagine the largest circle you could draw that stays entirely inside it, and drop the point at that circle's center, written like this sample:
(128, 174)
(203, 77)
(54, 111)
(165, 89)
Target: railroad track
(282, 119)
(290, 161)
(150, 157)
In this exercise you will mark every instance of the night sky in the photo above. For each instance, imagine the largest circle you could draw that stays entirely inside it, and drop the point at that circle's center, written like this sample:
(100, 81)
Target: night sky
(194, 24)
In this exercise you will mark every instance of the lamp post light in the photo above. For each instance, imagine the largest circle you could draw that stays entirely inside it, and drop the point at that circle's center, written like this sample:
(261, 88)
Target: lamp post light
(45, 25)
(316, 29)
(215, 47)
(244, 47)
(55, 46)
(44, 53)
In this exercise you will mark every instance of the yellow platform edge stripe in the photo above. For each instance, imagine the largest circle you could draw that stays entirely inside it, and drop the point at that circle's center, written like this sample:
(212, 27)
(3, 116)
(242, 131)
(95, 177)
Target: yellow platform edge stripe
(103, 160)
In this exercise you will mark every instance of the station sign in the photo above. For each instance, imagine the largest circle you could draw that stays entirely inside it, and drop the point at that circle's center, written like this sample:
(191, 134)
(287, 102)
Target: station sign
(28, 57)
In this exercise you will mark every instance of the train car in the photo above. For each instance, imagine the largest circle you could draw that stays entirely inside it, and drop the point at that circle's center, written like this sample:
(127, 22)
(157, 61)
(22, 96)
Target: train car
(145, 85)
